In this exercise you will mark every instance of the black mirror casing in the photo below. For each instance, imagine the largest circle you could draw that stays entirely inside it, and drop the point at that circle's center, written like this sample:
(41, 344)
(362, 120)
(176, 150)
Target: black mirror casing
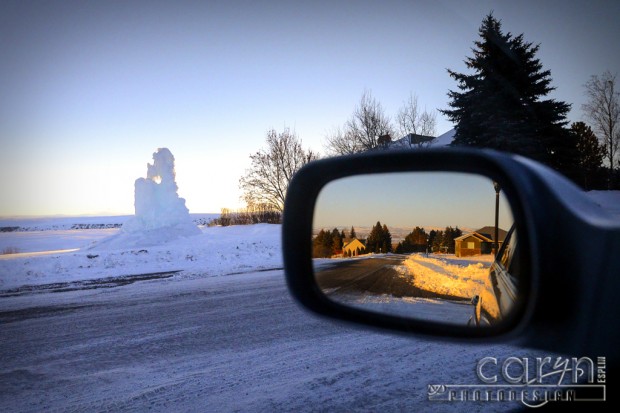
(297, 227)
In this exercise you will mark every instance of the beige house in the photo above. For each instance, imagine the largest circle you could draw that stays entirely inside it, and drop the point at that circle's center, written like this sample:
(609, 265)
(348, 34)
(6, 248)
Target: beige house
(353, 248)
(478, 242)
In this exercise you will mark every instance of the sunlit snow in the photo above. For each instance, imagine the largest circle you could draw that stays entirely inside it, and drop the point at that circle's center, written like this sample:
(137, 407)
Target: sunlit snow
(443, 277)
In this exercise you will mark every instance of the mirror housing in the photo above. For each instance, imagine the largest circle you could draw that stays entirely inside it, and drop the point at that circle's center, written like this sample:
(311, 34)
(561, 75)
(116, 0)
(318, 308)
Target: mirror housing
(298, 225)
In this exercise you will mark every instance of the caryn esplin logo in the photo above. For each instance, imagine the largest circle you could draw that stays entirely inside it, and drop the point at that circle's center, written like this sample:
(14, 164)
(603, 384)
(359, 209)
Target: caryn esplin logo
(531, 381)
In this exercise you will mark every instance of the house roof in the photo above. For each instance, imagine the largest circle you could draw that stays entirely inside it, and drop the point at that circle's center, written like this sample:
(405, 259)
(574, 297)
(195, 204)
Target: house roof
(351, 242)
(485, 234)
(489, 232)
(413, 140)
(473, 234)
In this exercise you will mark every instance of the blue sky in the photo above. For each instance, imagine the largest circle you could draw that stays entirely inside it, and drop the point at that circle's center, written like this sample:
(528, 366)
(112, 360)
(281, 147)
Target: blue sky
(407, 200)
(89, 90)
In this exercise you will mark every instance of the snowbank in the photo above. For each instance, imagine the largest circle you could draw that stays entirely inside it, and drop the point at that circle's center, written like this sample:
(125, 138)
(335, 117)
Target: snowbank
(214, 251)
(463, 281)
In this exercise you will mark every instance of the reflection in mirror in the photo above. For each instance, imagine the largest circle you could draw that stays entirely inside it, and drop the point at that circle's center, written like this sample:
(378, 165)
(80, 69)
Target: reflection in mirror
(432, 246)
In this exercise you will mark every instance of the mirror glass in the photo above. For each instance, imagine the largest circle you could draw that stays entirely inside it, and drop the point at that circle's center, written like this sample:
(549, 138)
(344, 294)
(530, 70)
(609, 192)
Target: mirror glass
(435, 246)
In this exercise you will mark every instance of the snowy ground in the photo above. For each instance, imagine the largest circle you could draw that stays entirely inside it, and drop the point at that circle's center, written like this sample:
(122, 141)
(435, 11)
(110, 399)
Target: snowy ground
(217, 251)
(24, 235)
(456, 277)
(214, 330)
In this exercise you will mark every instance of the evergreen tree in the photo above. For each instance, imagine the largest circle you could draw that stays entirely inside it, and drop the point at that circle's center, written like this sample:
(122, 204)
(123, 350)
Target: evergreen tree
(319, 245)
(326, 244)
(386, 239)
(438, 241)
(336, 241)
(376, 239)
(449, 234)
(379, 240)
(499, 106)
(418, 239)
(590, 154)
(415, 241)
(352, 234)
(432, 239)
(404, 247)
(373, 243)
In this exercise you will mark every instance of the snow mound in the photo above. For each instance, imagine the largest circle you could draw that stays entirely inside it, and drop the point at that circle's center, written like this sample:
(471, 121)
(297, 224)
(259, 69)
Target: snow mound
(161, 215)
(443, 277)
(124, 240)
(215, 251)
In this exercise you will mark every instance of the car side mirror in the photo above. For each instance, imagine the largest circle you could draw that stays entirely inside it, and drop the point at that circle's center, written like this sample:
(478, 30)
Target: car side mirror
(433, 241)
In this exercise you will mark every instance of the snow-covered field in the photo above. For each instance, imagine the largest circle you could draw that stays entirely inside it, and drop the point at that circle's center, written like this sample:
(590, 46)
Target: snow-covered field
(216, 251)
(23, 235)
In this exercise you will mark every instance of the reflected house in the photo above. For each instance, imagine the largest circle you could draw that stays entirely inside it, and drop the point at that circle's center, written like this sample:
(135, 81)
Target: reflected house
(353, 248)
(478, 242)
(412, 141)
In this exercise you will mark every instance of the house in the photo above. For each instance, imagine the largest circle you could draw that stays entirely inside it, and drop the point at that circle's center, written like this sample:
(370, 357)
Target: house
(478, 242)
(353, 248)
(415, 141)
(384, 141)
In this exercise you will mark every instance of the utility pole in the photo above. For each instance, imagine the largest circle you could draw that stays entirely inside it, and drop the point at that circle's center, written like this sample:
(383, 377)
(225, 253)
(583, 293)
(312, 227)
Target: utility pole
(495, 238)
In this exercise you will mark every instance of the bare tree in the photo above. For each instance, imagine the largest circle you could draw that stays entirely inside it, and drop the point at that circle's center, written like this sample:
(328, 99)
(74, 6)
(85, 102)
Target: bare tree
(255, 214)
(603, 111)
(342, 142)
(411, 121)
(267, 180)
(362, 131)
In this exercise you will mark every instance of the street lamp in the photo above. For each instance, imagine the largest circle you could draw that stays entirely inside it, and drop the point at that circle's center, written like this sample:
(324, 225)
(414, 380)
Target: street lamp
(495, 239)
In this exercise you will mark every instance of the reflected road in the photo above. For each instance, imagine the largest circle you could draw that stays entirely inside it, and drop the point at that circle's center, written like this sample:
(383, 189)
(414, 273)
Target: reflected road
(377, 276)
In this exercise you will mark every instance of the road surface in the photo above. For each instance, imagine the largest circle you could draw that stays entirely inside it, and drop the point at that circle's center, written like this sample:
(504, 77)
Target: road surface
(219, 344)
